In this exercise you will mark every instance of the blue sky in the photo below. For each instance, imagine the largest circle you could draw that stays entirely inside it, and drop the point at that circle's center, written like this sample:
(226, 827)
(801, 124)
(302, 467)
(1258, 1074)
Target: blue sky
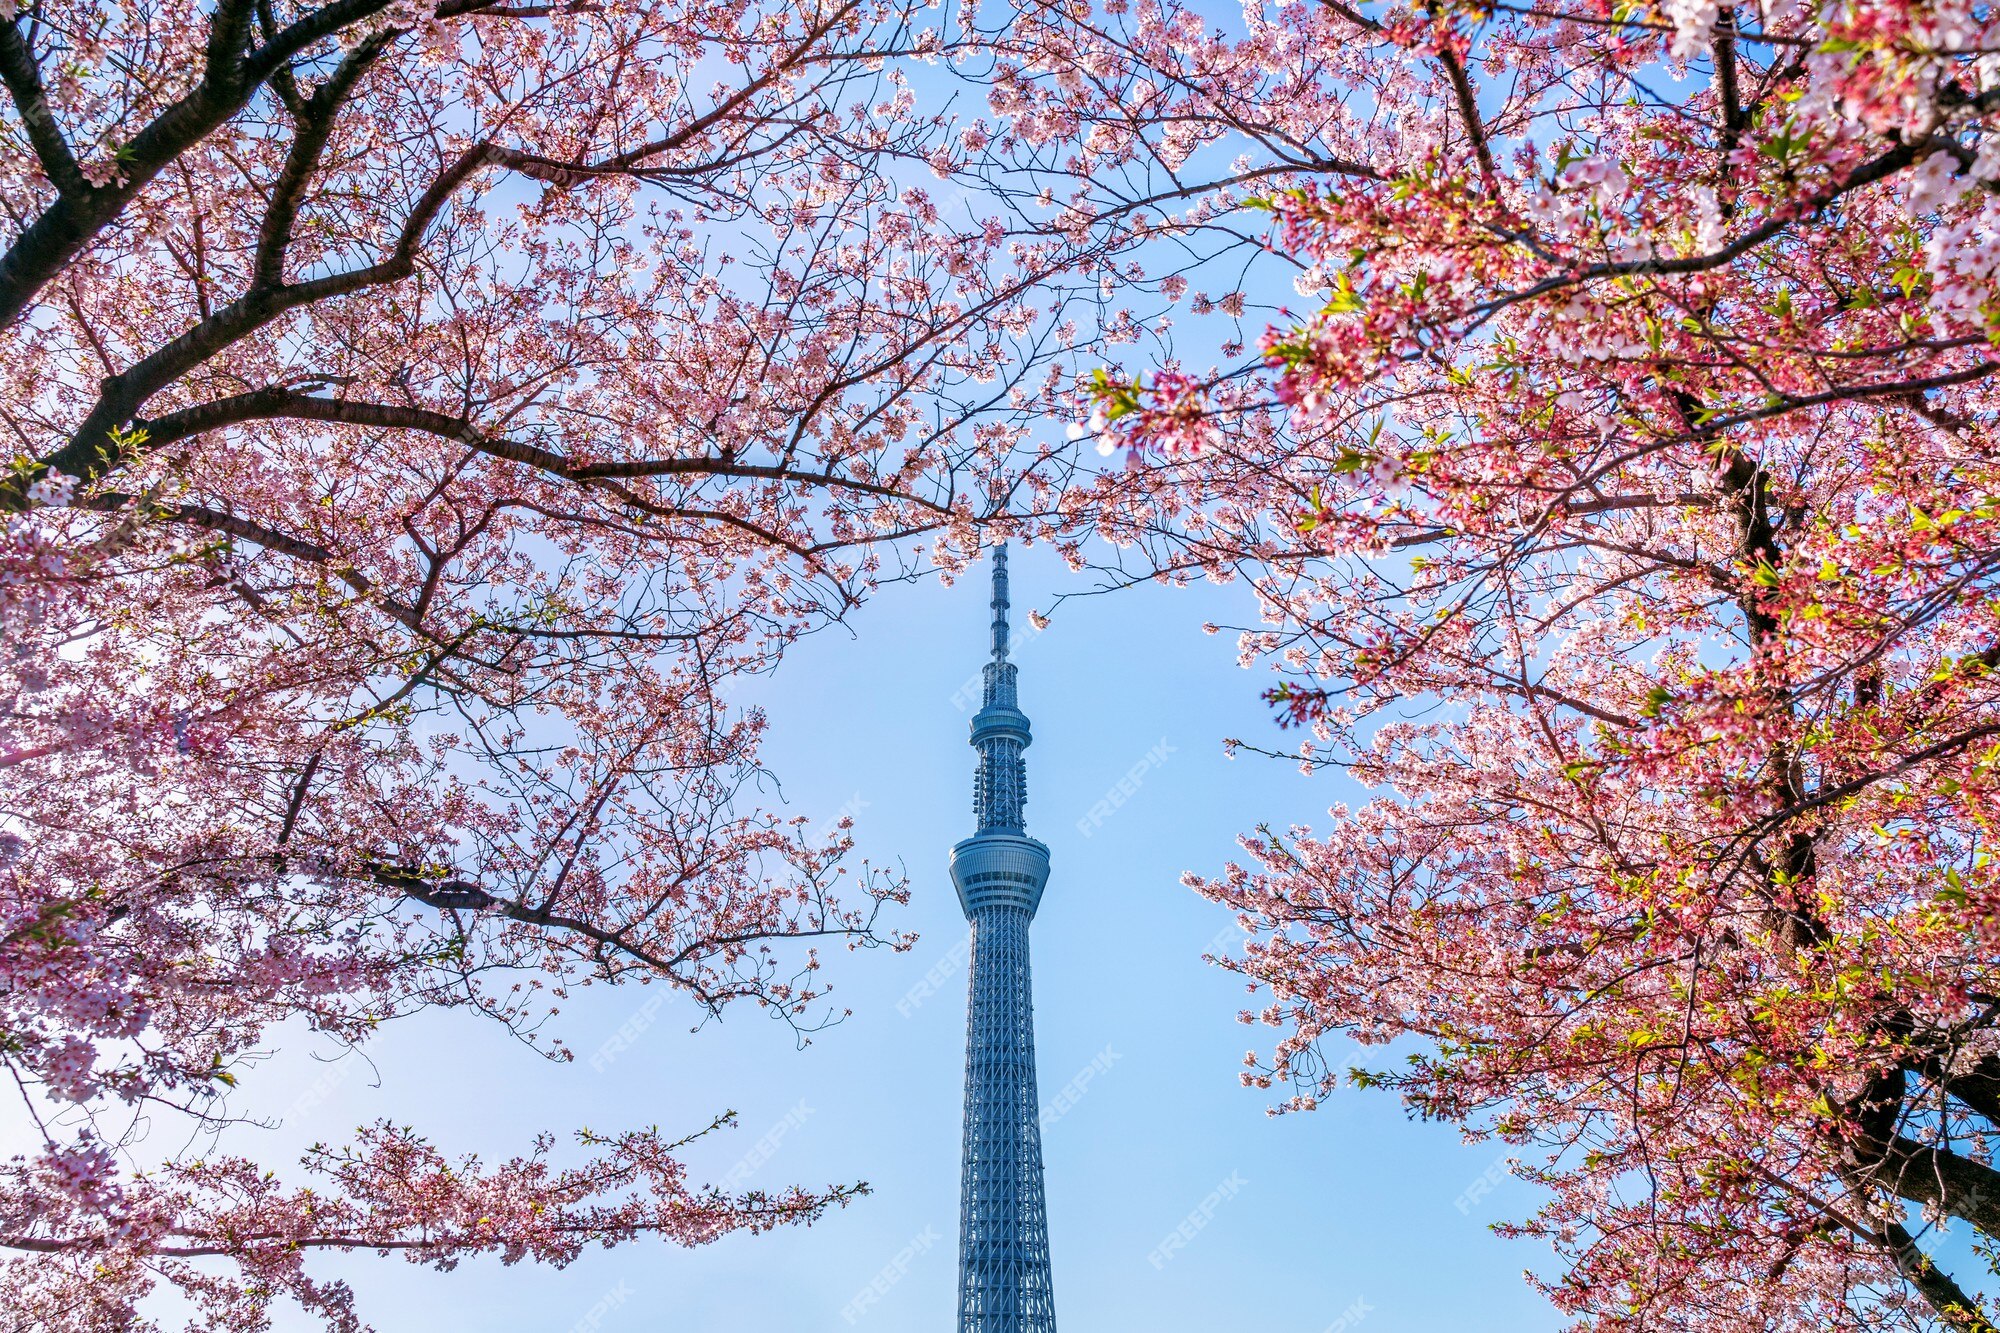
(1292, 1223)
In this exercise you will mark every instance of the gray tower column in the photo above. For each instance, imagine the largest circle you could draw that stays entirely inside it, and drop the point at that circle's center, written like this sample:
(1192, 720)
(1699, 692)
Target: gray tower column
(1003, 1240)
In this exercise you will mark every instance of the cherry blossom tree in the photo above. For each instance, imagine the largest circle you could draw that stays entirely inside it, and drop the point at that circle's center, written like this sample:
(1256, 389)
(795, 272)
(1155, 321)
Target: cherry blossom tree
(421, 417)
(1619, 494)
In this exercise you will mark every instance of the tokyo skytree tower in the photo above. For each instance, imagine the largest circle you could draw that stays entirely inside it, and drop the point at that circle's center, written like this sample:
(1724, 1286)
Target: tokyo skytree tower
(1003, 1229)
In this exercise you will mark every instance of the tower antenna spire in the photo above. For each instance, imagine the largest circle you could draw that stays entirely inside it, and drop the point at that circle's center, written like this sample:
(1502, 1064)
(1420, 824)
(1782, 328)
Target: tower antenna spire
(1000, 602)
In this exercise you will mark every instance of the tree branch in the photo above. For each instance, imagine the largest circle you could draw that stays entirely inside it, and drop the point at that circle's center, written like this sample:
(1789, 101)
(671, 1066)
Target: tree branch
(24, 81)
(66, 226)
(316, 124)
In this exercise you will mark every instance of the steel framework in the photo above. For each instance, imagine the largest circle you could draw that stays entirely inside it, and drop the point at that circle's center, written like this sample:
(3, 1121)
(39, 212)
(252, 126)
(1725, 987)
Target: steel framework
(1003, 1230)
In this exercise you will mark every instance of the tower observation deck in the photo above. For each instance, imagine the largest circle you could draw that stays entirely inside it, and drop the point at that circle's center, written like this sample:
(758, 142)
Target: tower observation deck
(1003, 1232)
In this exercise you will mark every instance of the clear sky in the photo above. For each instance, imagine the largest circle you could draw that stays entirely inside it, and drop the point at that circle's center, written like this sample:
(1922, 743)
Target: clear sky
(1291, 1224)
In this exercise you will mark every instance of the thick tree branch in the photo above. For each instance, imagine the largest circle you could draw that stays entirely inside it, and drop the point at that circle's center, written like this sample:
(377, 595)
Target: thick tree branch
(1468, 108)
(24, 81)
(1352, 15)
(1977, 1088)
(92, 449)
(1958, 1308)
(279, 404)
(66, 226)
(316, 121)
(1727, 94)
(1881, 167)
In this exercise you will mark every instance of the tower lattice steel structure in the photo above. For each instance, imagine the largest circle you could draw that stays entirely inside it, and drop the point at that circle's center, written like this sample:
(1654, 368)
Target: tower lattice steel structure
(1003, 1229)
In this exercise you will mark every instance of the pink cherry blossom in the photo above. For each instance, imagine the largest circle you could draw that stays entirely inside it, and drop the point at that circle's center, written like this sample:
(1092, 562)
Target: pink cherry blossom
(423, 418)
(1620, 507)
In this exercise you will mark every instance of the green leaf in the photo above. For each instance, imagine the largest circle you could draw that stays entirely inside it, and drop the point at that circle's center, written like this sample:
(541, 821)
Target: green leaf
(1344, 301)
